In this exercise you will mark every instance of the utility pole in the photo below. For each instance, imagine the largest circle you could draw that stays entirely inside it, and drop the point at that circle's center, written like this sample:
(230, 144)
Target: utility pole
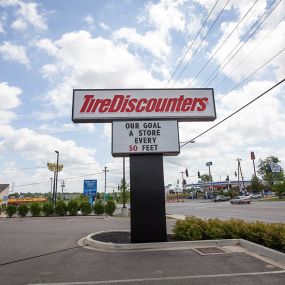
(105, 172)
(252, 156)
(56, 176)
(240, 172)
(238, 160)
(183, 181)
(124, 183)
(51, 193)
(62, 186)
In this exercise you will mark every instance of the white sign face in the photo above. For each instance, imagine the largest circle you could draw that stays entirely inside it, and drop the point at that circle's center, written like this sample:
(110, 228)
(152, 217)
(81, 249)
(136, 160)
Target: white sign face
(98, 105)
(145, 137)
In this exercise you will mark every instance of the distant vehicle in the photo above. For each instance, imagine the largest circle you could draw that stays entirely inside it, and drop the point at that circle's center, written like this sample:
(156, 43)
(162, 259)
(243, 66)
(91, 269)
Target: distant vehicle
(241, 200)
(221, 198)
(256, 196)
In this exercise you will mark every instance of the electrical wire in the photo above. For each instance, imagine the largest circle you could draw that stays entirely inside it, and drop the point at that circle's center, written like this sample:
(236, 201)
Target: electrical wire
(221, 66)
(254, 48)
(223, 43)
(189, 48)
(245, 79)
(196, 50)
(235, 112)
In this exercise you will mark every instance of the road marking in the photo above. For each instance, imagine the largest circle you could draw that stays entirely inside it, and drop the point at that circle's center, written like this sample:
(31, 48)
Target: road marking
(164, 278)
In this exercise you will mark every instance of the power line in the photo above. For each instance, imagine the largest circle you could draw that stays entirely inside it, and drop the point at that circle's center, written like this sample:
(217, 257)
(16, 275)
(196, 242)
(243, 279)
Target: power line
(196, 50)
(249, 103)
(223, 43)
(245, 79)
(256, 46)
(67, 178)
(221, 66)
(189, 48)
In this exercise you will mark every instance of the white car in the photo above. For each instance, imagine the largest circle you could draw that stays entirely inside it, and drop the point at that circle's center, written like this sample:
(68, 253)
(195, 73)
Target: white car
(241, 200)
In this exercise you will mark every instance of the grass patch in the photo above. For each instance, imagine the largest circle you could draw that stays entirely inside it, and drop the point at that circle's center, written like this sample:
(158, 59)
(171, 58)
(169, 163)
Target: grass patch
(271, 199)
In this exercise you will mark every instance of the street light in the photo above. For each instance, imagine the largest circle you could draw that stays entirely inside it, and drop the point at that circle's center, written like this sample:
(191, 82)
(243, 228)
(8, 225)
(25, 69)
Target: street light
(51, 187)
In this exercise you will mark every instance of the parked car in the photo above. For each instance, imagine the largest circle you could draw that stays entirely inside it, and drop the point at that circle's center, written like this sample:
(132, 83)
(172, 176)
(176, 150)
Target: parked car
(241, 200)
(221, 198)
(256, 196)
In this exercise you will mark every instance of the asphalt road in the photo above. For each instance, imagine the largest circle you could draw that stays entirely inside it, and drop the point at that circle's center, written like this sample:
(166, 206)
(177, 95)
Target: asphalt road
(271, 212)
(45, 251)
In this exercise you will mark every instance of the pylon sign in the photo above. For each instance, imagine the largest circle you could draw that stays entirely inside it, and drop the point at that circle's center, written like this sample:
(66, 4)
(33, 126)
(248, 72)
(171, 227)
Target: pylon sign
(54, 166)
(99, 105)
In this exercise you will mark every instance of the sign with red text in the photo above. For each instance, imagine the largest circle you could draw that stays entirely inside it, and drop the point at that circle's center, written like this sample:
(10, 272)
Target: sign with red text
(145, 137)
(108, 105)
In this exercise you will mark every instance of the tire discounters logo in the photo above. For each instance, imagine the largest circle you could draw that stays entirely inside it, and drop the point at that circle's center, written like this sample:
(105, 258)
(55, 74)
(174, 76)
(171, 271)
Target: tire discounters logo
(133, 104)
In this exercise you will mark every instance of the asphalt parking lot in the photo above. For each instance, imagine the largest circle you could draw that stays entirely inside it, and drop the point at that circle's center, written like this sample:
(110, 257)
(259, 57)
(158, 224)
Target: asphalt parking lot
(270, 212)
(45, 251)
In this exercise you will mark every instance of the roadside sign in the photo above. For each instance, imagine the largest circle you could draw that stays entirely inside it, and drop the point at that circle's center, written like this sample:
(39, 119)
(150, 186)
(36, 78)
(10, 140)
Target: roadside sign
(53, 166)
(90, 187)
(145, 137)
(209, 163)
(108, 105)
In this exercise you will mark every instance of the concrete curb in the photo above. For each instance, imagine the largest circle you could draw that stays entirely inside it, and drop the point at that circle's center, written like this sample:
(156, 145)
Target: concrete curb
(250, 246)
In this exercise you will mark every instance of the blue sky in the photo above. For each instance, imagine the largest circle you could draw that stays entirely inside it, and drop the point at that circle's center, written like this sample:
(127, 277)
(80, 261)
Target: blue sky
(47, 48)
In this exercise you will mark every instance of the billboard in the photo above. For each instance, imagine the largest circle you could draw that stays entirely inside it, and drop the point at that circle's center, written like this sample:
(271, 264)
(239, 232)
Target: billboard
(145, 137)
(90, 187)
(108, 105)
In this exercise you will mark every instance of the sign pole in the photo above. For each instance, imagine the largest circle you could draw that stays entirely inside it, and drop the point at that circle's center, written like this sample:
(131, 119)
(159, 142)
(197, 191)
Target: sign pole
(148, 219)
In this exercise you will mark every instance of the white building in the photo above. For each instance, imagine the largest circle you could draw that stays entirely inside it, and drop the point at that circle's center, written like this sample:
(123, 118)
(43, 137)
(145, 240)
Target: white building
(4, 192)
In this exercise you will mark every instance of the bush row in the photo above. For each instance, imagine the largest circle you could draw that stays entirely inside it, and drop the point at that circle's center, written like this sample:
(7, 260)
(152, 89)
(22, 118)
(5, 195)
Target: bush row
(62, 208)
(270, 235)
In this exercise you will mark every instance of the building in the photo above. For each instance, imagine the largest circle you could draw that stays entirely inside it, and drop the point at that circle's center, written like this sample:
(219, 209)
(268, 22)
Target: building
(4, 192)
(218, 185)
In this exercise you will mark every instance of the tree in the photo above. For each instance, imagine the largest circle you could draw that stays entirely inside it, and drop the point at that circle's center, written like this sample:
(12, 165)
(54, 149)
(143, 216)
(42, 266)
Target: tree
(98, 207)
(266, 173)
(110, 207)
(35, 209)
(72, 207)
(11, 210)
(279, 188)
(23, 210)
(60, 208)
(206, 178)
(85, 208)
(124, 196)
(256, 185)
(48, 209)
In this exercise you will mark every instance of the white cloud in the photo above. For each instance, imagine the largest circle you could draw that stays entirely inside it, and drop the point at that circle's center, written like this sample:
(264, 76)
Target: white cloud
(104, 26)
(89, 20)
(49, 71)
(87, 62)
(14, 53)
(9, 98)
(28, 14)
(47, 45)
(163, 16)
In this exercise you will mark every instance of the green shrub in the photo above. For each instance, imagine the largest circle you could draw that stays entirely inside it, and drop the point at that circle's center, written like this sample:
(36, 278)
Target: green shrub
(60, 208)
(85, 208)
(72, 207)
(110, 207)
(23, 210)
(35, 209)
(98, 207)
(11, 210)
(190, 229)
(270, 235)
(48, 209)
